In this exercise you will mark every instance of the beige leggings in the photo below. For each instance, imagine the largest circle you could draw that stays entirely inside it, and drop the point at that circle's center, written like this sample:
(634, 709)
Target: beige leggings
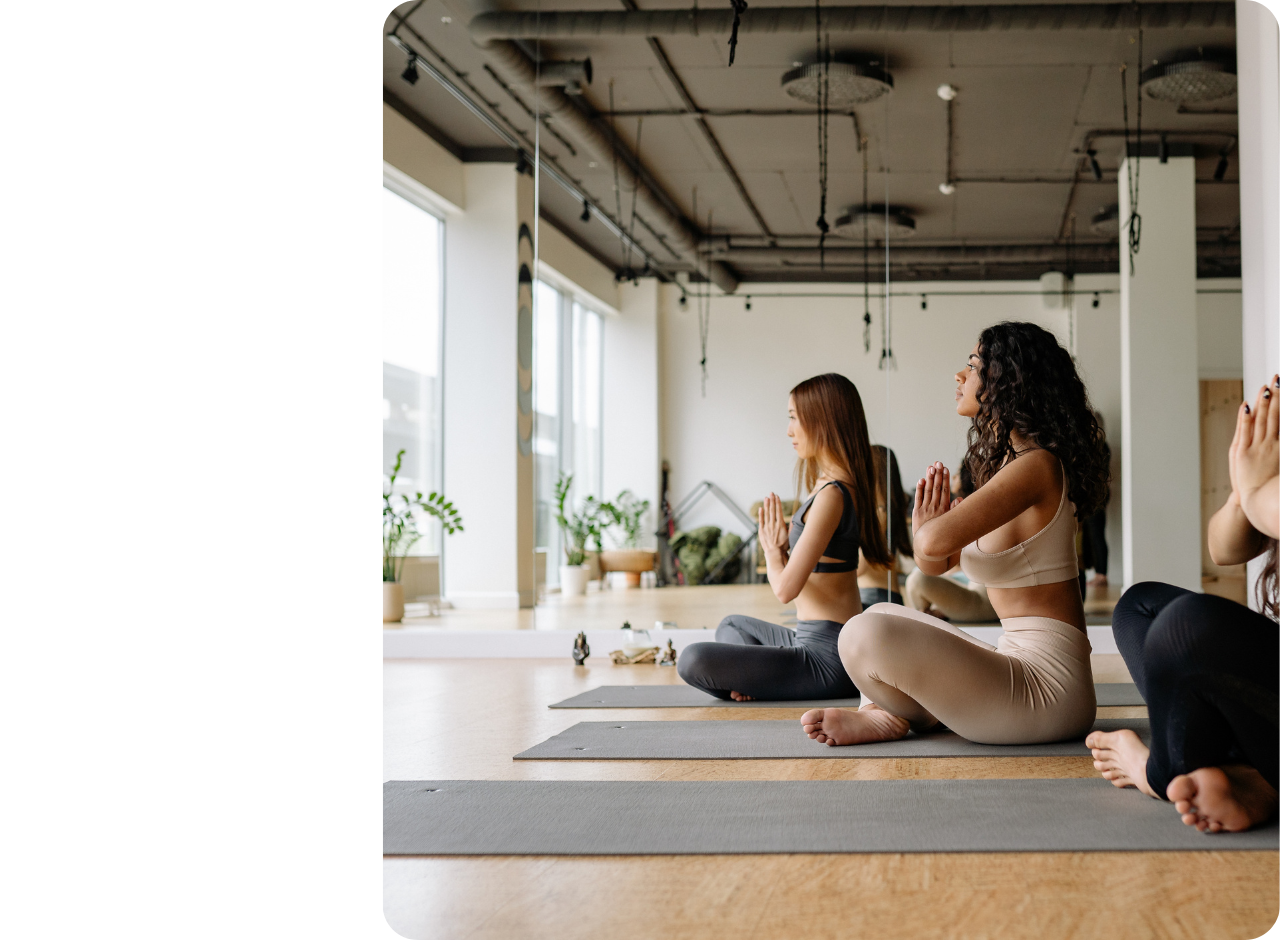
(1034, 686)
(957, 603)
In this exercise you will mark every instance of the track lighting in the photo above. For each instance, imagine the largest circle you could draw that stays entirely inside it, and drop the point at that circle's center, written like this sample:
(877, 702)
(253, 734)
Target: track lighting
(1221, 171)
(924, 301)
(947, 92)
(1096, 300)
(684, 301)
(586, 211)
(748, 301)
(946, 188)
(410, 73)
(1093, 164)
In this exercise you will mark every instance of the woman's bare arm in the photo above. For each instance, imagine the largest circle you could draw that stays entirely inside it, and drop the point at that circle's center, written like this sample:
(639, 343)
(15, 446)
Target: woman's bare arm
(788, 575)
(1232, 538)
(940, 535)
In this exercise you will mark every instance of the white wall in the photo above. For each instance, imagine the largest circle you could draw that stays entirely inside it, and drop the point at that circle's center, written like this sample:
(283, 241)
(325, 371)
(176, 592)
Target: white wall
(1259, 107)
(480, 471)
(736, 436)
(631, 451)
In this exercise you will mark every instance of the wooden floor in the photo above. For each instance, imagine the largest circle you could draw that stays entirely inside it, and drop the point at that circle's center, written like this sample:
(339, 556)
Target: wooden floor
(464, 719)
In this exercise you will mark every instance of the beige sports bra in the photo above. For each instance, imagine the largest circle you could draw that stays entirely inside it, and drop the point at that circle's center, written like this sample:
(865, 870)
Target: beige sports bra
(1047, 557)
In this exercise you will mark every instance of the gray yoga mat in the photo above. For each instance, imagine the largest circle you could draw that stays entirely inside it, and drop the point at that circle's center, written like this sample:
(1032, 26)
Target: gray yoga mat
(771, 740)
(686, 696)
(578, 817)
(681, 696)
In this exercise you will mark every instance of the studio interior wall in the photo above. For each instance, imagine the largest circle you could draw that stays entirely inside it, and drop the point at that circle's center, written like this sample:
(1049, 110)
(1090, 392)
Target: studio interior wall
(735, 436)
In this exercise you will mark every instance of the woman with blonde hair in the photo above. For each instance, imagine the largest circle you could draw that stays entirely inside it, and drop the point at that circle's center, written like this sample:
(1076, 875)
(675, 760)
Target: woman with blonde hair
(814, 563)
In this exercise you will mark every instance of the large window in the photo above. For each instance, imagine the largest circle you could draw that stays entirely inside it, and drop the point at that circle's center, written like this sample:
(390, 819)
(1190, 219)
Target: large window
(412, 291)
(567, 399)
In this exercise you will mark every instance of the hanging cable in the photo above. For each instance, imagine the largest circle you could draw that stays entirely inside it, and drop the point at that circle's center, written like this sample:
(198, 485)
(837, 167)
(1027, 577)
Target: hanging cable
(887, 362)
(704, 315)
(739, 7)
(824, 101)
(866, 246)
(1133, 161)
(635, 191)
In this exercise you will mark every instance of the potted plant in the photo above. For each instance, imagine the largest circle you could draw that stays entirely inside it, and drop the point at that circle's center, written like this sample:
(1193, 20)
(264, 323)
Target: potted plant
(626, 517)
(400, 533)
(577, 528)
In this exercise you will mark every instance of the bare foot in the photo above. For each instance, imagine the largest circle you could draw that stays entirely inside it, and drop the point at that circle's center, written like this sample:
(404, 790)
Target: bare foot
(1223, 799)
(739, 697)
(835, 726)
(1098, 580)
(1122, 758)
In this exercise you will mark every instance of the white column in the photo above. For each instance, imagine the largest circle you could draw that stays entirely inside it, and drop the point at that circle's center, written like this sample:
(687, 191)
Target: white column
(631, 450)
(1259, 107)
(486, 476)
(1159, 391)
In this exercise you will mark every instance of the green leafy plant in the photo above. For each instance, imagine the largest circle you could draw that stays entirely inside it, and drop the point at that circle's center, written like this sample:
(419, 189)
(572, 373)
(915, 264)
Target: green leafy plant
(626, 512)
(579, 527)
(400, 524)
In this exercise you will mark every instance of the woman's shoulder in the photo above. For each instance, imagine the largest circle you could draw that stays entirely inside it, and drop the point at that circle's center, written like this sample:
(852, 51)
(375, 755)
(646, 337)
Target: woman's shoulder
(1034, 467)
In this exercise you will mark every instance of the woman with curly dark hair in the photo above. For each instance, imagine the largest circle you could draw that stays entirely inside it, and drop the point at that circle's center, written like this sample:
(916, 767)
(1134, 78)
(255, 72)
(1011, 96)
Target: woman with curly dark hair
(1205, 665)
(1038, 463)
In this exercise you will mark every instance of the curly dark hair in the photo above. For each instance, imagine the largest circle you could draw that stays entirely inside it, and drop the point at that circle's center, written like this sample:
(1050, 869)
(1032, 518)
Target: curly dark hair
(1030, 385)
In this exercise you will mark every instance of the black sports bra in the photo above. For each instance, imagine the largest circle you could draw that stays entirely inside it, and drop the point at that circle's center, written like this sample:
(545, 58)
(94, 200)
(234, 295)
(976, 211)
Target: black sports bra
(844, 541)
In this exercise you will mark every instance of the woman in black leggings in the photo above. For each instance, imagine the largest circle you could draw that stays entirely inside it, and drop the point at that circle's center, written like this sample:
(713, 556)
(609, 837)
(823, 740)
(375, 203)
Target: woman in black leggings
(814, 563)
(1207, 666)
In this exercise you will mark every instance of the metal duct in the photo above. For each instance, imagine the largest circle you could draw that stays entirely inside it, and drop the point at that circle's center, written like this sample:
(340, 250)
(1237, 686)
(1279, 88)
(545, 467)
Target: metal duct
(512, 61)
(559, 74)
(947, 255)
(566, 24)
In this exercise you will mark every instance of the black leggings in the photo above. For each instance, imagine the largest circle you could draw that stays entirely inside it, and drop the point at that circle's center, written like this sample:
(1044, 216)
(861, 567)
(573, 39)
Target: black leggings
(766, 661)
(1208, 669)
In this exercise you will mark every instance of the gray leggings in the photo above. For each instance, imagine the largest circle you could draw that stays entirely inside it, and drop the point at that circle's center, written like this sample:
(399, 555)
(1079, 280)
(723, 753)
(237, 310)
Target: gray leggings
(766, 661)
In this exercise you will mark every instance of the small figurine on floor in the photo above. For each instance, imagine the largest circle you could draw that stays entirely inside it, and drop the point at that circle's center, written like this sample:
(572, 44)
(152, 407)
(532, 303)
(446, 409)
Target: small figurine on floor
(581, 650)
(668, 657)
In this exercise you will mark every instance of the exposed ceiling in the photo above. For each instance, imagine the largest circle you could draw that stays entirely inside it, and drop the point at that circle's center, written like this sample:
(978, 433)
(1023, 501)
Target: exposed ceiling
(1029, 103)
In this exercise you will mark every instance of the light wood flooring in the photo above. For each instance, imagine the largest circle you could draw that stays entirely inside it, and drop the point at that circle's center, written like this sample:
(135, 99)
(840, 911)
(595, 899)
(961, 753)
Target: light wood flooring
(464, 719)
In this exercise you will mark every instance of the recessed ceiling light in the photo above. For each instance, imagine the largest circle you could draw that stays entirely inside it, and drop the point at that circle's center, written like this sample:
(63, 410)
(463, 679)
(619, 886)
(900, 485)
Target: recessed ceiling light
(1197, 79)
(900, 224)
(592, 164)
(847, 83)
(1106, 221)
(446, 20)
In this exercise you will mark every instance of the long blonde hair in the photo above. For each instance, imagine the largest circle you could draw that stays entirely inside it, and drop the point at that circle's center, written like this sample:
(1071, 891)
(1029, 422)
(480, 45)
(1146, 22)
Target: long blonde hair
(829, 410)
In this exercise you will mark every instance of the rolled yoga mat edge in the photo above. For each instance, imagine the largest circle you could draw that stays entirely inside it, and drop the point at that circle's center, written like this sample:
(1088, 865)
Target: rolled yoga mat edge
(575, 817)
(775, 740)
(686, 696)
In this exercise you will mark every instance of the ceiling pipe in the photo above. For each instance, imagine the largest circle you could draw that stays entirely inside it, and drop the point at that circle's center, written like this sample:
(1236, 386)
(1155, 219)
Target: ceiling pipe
(566, 24)
(952, 256)
(681, 237)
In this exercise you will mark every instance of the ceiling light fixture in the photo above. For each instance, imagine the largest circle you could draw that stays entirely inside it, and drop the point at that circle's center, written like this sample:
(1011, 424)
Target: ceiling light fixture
(947, 92)
(1193, 78)
(1106, 221)
(848, 83)
(410, 73)
(1094, 166)
(748, 301)
(900, 223)
(924, 301)
(946, 188)
(1096, 300)
(586, 211)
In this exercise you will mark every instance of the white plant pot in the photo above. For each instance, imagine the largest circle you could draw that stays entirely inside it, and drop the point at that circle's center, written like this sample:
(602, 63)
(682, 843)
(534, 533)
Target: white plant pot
(573, 579)
(392, 601)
